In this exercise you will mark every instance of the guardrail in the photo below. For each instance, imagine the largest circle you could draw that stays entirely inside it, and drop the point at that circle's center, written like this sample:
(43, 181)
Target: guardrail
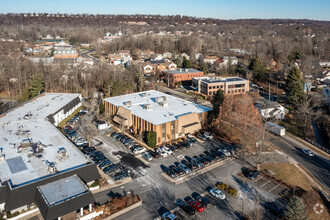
(317, 145)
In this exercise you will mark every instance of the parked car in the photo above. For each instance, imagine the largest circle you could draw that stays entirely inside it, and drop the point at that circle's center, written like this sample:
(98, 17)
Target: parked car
(196, 205)
(154, 154)
(208, 135)
(147, 156)
(201, 136)
(179, 146)
(138, 150)
(170, 173)
(205, 201)
(197, 162)
(193, 139)
(177, 170)
(217, 193)
(174, 148)
(254, 174)
(184, 167)
(185, 207)
(166, 150)
(169, 216)
(308, 152)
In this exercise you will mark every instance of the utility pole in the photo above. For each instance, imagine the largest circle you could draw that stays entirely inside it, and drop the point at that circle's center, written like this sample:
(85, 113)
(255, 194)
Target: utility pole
(269, 92)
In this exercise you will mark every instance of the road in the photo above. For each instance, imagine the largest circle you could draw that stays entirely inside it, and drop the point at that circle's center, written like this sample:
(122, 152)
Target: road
(318, 165)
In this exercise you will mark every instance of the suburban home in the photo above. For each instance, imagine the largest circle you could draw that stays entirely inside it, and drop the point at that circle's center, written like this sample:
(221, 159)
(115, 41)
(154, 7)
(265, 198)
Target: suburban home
(230, 85)
(154, 66)
(152, 111)
(181, 75)
(271, 109)
(210, 59)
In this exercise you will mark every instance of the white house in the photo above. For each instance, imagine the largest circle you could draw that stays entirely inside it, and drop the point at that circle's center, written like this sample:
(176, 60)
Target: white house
(185, 55)
(226, 59)
(210, 59)
(270, 109)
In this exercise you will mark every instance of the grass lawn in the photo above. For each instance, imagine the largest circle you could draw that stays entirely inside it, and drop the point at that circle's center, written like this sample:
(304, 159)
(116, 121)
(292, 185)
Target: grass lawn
(63, 123)
(289, 174)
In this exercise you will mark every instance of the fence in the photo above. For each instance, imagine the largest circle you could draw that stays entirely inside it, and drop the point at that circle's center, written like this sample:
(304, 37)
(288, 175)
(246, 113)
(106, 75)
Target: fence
(317, 145)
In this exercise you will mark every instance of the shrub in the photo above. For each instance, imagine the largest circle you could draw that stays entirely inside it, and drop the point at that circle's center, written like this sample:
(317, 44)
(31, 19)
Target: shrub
(225, 187)
(151, 139)
(95, 183)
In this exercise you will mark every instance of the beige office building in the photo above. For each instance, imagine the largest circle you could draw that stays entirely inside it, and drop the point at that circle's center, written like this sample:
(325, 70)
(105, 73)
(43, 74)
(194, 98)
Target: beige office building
(169, 117)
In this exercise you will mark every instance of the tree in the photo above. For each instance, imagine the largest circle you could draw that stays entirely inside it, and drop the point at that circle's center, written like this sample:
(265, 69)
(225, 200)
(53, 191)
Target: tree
(186, 63)
(52, 52)
(295, 55)
(151, 139)
(257, 68)
(296, 209)
(101, 109)
(217, 101)
(295, 86)
(308, 110)
(230, 67)
(37, 85)
(205, 68)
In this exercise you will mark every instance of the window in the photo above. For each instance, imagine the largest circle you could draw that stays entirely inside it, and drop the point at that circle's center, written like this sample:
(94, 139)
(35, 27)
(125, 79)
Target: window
(210, 87)
(210, 93)
(217, 86)
(221, 86)
(213, 87)
(213, 93)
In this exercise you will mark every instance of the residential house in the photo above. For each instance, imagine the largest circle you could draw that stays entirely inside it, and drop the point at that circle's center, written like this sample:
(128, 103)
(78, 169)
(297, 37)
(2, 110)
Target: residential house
(210, 59)
(153, 66)
(271, 109)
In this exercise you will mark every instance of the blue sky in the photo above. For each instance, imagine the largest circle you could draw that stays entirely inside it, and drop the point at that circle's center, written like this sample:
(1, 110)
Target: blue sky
(223, 9)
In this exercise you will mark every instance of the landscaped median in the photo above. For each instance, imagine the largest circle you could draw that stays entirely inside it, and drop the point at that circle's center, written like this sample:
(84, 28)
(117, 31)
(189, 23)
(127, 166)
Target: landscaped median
(196, 173)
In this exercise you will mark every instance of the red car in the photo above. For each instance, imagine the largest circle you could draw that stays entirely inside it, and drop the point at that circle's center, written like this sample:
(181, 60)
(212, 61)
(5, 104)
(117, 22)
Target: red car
(197, 205)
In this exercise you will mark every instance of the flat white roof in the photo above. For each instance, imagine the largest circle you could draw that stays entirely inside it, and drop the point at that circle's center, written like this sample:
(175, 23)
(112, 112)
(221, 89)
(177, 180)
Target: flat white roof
(157, 114)
(62, 190)
(21, 169)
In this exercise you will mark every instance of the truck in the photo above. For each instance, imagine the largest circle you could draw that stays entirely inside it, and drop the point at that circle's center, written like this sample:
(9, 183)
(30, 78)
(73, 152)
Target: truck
(103, 126)
(276, 129)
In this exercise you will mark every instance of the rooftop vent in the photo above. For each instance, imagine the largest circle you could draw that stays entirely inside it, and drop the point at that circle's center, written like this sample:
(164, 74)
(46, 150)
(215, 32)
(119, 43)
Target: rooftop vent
(62, 153)
(147, 106)
(159, 99)
(144, 94)
(128, 103)
(51, 167)
(2, 157)
(165, 104)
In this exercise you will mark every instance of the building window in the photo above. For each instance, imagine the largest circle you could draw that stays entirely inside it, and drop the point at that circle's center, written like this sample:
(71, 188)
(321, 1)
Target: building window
(217, 86)
(210, 93)
(221, 86)
(213, 87)
(210, 87)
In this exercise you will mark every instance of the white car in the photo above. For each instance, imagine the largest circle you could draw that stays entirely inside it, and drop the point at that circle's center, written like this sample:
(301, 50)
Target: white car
(208, 135)
(217, 193)
(166, 150)
(163, 153)
(225, 152)
(308, 152)
(139, 150)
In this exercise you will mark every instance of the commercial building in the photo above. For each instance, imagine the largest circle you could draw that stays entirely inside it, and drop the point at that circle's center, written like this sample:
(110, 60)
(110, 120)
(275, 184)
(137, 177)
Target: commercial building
(230, 85)
(181, 75)
(64, 50)
(35, 157)
(169, 117)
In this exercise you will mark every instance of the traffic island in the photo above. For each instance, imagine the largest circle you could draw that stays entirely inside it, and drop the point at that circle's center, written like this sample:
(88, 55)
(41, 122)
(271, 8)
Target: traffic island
(185, 178)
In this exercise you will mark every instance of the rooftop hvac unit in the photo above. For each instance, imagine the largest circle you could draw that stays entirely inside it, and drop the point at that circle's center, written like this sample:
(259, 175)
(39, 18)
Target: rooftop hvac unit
(62, 153)
(164, 98)
(147, 106)
(159, 99)
(2, 157)
(52, 168)
(144, 94)
(165, 104)
(128, 103)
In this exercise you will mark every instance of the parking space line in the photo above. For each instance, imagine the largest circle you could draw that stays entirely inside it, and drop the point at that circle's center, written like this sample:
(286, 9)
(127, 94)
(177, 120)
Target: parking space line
(274, 188)
(183, 214)
(206, 210)
(265, 183)
(198, 215)
(257, 179)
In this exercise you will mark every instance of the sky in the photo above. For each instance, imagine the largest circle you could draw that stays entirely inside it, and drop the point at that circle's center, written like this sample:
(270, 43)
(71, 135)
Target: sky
(222, 9)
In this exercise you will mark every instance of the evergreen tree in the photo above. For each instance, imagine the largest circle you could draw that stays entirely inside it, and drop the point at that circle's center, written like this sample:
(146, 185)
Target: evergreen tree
(186, 63)
(37, 85)
(296, 209)
(151, 139)
(101, 109)
(25, 95)
(217, 101)
(257, 68)
(295, 86)
(295, 55)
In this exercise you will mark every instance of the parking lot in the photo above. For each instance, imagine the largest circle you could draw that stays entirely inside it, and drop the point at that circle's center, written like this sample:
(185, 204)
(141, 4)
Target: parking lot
(153, 185)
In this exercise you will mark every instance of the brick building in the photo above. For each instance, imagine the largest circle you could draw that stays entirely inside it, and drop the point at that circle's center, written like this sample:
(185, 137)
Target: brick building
(230, 85)
(181, 75)
(169, 117)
